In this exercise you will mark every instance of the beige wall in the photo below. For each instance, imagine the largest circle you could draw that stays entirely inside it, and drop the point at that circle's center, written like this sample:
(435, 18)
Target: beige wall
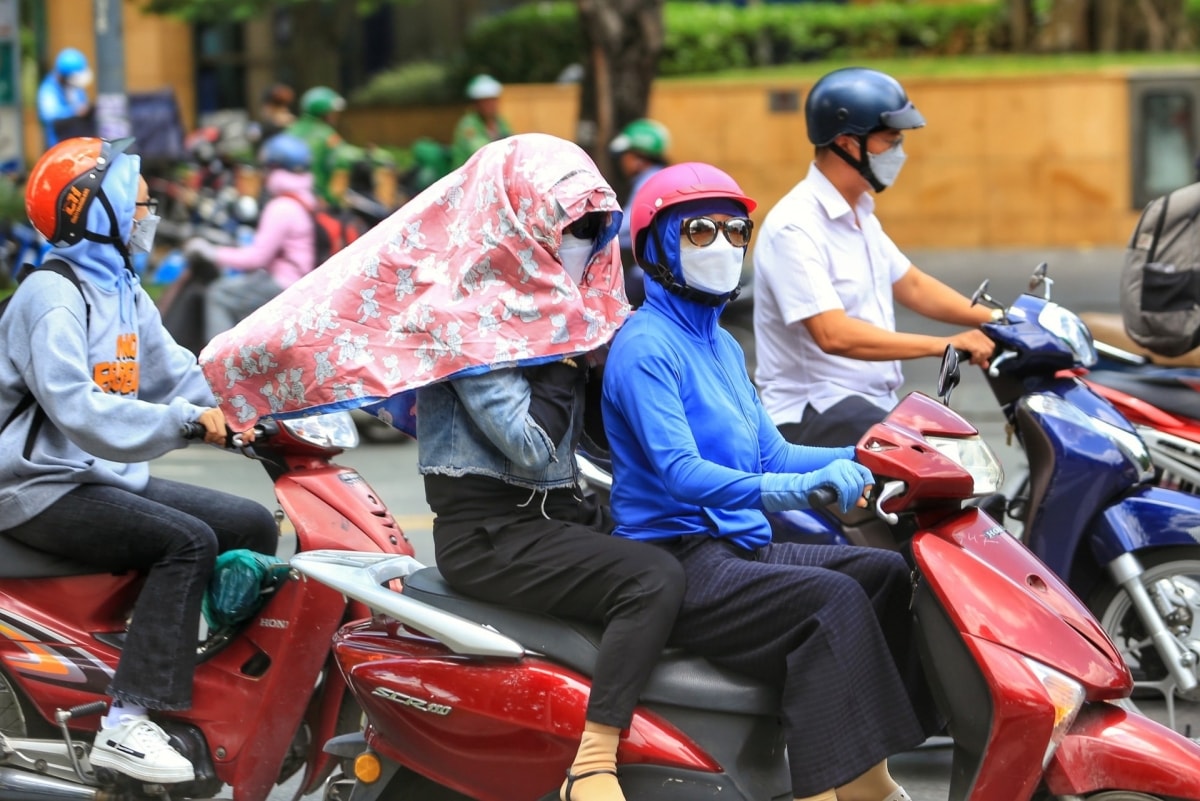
(1003, 161)
(158, 54)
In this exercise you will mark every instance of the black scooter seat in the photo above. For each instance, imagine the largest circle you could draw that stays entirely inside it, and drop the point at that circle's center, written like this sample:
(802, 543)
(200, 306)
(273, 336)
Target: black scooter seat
(18, 560)
(1170, 397)
(680, 679)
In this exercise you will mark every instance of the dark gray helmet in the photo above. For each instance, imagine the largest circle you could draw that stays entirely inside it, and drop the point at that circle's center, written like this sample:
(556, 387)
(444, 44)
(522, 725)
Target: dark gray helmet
(857, 101)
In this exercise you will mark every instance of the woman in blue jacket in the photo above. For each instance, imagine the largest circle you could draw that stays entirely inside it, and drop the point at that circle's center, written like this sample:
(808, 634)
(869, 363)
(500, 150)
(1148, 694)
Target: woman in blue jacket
(697, 461)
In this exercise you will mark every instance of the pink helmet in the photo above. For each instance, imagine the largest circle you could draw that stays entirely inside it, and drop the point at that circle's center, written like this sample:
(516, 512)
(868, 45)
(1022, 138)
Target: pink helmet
(679, 183)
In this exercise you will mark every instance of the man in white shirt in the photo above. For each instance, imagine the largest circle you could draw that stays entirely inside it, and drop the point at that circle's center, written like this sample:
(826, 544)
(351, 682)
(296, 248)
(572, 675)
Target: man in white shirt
(826, 276)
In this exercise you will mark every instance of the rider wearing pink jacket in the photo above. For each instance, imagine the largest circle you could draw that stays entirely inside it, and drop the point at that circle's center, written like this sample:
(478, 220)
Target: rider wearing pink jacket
(284, 246)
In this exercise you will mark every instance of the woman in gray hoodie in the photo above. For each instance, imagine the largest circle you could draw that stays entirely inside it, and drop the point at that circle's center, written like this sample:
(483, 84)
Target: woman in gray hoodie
(92, 388)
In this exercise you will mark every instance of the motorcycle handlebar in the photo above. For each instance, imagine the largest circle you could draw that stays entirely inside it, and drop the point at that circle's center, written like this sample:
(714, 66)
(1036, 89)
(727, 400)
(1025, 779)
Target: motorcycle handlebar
(822, 496)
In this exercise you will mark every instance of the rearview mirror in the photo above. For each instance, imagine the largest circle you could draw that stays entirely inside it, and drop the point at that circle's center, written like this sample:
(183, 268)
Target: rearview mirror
(950, 374)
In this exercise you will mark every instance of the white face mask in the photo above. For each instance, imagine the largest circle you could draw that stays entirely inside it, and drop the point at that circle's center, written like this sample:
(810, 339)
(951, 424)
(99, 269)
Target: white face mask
(886, 165)
(716, 269)
(575, 253)
(81, 79)
(141, 237)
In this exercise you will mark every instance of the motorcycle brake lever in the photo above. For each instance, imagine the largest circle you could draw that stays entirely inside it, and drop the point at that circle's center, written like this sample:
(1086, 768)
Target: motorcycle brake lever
(993, 368)
(891, 489)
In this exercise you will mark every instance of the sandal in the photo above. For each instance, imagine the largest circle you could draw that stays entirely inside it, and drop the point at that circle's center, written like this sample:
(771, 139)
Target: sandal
(572, 778)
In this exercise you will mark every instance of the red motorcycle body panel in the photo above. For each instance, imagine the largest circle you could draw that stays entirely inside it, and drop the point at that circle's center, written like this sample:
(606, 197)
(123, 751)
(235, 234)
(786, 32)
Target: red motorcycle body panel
(1141, 413)
(979, 572)
(334, 507)
(517, 724)
(248, 699)
(1109, 748)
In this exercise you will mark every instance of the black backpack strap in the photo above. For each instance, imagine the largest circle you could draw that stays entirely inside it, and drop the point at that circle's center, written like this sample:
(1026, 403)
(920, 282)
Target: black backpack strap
(66, 271)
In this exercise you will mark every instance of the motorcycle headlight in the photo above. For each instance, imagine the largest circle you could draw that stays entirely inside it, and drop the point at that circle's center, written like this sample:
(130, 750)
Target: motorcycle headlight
(333, 430)
(974, 456)
(1070, 330)
(1064, 694)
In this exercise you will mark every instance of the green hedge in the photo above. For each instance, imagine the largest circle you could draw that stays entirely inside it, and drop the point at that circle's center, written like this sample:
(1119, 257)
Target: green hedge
(533, 43)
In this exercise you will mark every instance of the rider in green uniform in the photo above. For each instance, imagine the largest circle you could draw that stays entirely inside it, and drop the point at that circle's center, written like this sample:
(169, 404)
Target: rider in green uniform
(482, 123)
(319, 109)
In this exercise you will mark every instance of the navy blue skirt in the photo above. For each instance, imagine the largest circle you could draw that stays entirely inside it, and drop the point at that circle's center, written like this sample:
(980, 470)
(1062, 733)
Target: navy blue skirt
(831, 626)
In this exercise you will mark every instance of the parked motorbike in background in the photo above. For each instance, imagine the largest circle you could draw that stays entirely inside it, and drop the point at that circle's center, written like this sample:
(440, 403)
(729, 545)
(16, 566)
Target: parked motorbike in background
(267, 696)
(465, 699)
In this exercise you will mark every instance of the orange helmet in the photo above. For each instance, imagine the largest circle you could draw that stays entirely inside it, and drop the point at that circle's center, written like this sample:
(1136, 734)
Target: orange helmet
(63, 184)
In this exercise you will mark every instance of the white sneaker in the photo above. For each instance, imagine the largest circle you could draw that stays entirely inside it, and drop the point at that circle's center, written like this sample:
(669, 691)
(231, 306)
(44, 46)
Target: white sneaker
(137, 747)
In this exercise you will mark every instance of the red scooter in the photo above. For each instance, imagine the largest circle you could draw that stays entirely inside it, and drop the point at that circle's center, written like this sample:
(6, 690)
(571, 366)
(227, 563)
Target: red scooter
(468, 699)
(267, 696)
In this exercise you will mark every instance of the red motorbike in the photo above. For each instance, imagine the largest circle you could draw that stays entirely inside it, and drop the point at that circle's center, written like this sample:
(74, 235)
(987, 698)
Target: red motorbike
(267, 696)
(466, 699)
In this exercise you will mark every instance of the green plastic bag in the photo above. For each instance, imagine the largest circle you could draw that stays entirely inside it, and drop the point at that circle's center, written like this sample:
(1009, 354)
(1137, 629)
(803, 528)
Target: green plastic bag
(240, 585)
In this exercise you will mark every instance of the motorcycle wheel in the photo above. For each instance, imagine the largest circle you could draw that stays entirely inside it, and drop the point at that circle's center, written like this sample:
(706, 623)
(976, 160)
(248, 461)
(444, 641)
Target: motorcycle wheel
(12, 715)
(408, 785)
(1176, 572)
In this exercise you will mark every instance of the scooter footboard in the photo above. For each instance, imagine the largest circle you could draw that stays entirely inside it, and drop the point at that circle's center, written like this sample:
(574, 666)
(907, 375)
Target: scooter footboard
(1107, 749)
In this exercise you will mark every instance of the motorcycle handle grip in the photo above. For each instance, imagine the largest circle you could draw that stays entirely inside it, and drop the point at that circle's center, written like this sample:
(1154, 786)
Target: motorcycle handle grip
(822, 496)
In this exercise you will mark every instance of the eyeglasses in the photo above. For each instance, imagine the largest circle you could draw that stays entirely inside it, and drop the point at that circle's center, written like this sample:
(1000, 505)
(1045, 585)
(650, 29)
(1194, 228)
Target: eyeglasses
(151, 204)
(702, 231)
(588, 226)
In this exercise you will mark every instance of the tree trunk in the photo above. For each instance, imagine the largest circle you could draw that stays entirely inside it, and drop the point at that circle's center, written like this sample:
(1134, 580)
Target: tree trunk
(1067, 28)
(624, 39)
(313, 52)
(1020, 22)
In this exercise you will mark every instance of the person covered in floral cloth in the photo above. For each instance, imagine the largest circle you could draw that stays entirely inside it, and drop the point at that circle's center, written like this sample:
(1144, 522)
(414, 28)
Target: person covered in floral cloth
(486, 295)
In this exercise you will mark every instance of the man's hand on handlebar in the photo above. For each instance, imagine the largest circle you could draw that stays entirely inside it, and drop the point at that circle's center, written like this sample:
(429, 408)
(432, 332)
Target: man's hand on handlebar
(975, 344)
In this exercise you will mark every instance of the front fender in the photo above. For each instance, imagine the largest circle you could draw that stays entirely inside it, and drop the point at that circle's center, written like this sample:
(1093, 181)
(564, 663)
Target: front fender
(1110, 749)
(1150, 517)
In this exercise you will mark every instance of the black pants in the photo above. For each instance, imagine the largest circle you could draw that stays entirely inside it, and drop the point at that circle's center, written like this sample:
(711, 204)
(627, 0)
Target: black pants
(841, 424)
(567, 564)
(830, 625)
(173, 531)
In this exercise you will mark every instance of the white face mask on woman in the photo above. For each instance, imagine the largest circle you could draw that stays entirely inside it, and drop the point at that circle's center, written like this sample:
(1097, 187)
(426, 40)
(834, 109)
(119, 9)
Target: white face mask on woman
(716, 268)
(575, 253)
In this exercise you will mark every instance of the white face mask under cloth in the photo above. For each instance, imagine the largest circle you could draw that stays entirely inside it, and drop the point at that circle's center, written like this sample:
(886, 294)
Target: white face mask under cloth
(141, 238)
(886, 165)
(574, 253)
(716, 269)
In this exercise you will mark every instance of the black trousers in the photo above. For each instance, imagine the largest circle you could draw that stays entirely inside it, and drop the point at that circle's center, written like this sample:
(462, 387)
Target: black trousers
(830, 625)
(841, 424)
(173, 531)
(566, 563)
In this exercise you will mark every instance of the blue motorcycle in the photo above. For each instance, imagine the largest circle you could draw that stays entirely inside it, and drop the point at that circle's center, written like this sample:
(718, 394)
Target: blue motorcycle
(1128, 548)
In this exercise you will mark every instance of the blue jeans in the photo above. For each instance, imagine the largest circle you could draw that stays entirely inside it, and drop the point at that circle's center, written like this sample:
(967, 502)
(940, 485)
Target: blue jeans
(173, 532)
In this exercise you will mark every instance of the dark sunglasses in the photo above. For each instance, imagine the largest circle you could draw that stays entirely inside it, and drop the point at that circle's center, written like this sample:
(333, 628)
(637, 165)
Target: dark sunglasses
(589, 226)
(702, 231)
(151, 204)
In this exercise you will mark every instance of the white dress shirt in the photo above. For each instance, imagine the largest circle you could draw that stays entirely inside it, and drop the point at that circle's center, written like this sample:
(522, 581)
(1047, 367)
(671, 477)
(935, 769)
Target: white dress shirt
(815, 254)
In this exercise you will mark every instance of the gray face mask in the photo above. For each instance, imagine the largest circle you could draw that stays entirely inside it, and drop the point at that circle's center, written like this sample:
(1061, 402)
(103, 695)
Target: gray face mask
(886, 166)
(141, 238)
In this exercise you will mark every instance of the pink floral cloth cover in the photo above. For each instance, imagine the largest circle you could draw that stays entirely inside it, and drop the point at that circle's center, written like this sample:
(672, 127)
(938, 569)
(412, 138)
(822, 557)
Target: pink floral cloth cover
(461, 279)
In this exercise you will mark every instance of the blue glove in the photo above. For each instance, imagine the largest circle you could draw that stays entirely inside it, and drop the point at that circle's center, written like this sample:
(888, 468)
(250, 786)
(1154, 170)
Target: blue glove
(782, 491)
(813, 457)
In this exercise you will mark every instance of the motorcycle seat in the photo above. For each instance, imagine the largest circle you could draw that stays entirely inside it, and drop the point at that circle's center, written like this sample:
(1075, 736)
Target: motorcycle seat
(1170, 397)
(18, 560)
(680, 679)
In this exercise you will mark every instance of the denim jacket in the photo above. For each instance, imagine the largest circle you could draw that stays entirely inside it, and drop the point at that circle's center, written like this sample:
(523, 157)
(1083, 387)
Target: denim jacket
(480, 425)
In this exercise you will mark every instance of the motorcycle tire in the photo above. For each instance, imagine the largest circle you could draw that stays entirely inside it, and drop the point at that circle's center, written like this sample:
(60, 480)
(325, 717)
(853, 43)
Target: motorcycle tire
(1114, 610)
(408, 785)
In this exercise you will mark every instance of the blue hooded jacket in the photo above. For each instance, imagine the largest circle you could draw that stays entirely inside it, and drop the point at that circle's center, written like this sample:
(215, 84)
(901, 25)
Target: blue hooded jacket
(690, 440)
